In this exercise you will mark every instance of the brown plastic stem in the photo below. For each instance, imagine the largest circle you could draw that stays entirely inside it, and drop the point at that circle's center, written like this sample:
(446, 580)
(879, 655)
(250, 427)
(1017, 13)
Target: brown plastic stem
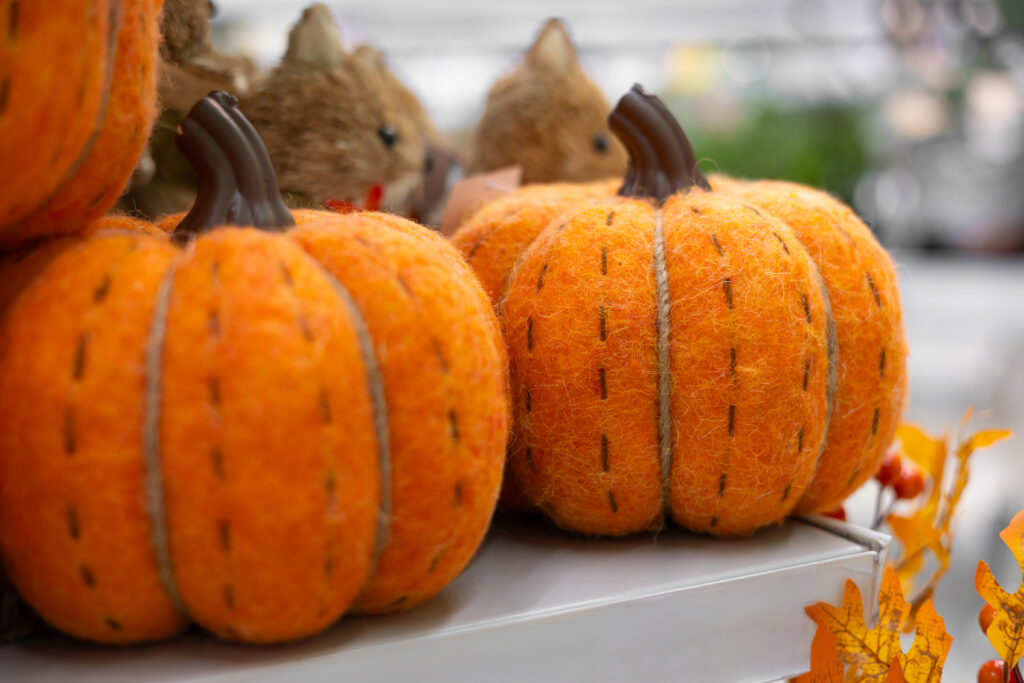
(661, 159)
(237, 182)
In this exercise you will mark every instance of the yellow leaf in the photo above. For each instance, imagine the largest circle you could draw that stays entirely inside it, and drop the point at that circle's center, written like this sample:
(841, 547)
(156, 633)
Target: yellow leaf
(931, 645)
(927, 453)
(875, 654)
(986, 438)
(825, 666)
(1007, 630)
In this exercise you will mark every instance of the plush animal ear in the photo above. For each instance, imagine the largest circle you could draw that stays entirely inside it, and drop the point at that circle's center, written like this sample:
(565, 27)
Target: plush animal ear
(371, 57)
(315, 39)
(553, 50)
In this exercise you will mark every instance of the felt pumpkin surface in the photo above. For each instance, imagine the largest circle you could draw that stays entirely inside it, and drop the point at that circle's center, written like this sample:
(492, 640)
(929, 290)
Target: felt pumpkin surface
(77, 100)
(862, 284)
(670, 351)
(257, 432)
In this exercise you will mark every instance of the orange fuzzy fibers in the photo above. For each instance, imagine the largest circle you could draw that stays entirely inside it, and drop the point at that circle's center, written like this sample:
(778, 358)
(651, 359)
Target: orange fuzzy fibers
(119, 139)
(75, 532)
(265, 444)
(442, 365)
(55, 72)
(872, 375)
(495, 236)
(581, 319)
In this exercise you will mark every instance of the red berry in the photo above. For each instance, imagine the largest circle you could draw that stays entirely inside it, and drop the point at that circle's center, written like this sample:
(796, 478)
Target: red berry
(889, 471)
(985, 617)
(909, 484)
(836, 513)
(991, 671)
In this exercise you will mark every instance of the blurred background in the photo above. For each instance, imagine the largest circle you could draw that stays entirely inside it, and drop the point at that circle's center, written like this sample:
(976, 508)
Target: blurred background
(910, 110)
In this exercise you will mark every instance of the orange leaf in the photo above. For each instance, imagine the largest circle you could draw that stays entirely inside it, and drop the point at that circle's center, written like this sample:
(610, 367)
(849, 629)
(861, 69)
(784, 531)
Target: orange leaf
(1007, 630)
(875, 654)
(825, 666)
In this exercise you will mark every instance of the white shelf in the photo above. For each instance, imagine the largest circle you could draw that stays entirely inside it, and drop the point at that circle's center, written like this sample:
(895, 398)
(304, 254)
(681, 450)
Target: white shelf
(538, 605)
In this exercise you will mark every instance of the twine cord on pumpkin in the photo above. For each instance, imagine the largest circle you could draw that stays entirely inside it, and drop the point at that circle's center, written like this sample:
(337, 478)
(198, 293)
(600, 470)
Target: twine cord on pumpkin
(101, 114)
(665, 451)
(156, 503)
(375, 386)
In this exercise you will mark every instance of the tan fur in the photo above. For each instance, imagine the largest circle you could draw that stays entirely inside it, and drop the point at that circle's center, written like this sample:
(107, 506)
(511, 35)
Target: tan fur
(319, 112)
(545, 117)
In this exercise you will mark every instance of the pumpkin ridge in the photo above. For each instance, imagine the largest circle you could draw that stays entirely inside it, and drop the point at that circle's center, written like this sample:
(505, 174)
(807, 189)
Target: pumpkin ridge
(156, 504)
(375, 388)
(112, 35)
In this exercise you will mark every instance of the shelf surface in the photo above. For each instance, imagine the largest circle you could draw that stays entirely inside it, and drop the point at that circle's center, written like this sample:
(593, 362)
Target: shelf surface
(540, 605)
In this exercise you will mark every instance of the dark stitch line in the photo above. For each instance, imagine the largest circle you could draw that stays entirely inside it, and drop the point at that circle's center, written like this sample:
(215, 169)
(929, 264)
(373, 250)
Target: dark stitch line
(800, 439)
(529, 400)
(529, 459)
(330, 483)
(366, 243)
(406, 287)
(70, 443)
(325, 408)
(13, 18)
(476, 245)
(785, 494)
(224, 533)
(714, 521)
(436, 561)
(215, 272)
(721, 485)
(874, 290)
(229, 595)
(87, 576)
(540, 280)
(881, 363)
(604, 453)
(5, 89)
(611, 501)
(853, 476)
(307, 333)
(752, 209)
(529, 333)
(100, 293)
(807, 373)
(113, 623)
(732, 362)
(718, 245)
(785, 247)
(458, 494)
(217, 458)
(453, 426)
(807, 307)
(213, 322)
(874, 422)
(440, 355)
(213, 384)
(78, 366)
(561, 226)
(329, 565)
(611, 217)
(604, 324)
(604, 260)
(728, 292)
(732, 420)
(604, 385)
(96, 200)
(697, 211)
(73, 529)
(286, 274)
(399, 601)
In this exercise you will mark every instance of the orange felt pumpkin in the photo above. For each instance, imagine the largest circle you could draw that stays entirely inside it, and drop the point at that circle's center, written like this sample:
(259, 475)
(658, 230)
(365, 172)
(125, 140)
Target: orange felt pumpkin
(670, 349)
(863, 287)
(77, 100)
(256, 432)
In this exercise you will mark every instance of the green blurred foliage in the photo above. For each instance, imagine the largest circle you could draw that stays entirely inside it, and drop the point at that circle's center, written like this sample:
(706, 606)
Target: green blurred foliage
(820, 146)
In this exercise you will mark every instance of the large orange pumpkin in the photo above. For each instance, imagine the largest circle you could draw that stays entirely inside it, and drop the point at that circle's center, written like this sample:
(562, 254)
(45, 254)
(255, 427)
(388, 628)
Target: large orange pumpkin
(670, 348)
(77, 100)
(255, 432)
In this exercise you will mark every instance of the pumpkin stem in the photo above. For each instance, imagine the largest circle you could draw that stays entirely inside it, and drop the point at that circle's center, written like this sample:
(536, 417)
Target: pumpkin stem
(661, 159)
(237, 182)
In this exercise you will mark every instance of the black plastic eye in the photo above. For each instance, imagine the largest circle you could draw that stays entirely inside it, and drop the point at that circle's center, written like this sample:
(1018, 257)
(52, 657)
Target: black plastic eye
(388, 134)
(601, 143)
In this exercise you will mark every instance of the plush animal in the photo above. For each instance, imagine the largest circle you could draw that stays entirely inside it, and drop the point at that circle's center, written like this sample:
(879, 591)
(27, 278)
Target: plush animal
(547, 117)
(338, 126)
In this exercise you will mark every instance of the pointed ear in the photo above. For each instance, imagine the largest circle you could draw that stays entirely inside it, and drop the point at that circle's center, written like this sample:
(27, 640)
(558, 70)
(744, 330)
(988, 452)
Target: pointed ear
(315, 39)
(553, 50)
(371, 57)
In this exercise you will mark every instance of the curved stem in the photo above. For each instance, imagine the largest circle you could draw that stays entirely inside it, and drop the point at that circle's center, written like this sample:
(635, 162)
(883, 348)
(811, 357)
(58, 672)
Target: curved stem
(237, 182)
(661, 159)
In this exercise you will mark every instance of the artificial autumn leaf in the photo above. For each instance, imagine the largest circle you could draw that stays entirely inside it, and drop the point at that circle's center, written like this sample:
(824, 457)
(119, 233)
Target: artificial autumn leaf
(825, 666)
(872, 652)
(1006, 633)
